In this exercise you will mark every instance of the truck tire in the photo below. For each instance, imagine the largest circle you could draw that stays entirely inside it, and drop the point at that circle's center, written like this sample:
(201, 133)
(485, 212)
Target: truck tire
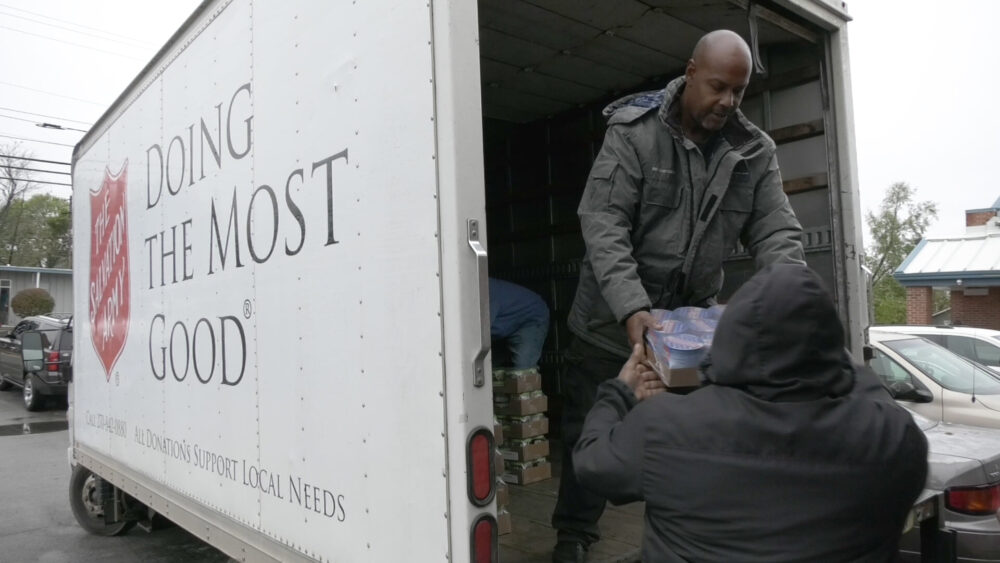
(32, 399)
(85, 500)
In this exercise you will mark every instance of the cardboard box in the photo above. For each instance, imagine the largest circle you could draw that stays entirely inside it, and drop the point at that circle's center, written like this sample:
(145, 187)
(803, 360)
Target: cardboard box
(682, 378)
(498, 462)
(515, 383)
(497, 432)
(504, 525)
(503, 492)
(528, 475)
(514, 428)
(524, 452)
(520, 406)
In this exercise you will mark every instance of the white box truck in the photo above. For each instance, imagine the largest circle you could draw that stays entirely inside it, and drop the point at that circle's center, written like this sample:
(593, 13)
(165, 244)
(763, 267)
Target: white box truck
(280, 268)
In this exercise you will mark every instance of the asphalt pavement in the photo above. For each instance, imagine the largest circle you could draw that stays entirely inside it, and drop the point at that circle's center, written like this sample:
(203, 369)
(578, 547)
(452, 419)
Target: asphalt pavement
(36, 524)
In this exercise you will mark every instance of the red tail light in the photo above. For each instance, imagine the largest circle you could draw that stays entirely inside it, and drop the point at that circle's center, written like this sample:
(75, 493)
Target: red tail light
(482, 471)
(974, 500)
(52, 361)
(484, 540)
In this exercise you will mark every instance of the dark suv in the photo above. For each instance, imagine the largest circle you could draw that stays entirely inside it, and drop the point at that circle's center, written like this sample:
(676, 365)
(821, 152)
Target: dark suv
(57, 339)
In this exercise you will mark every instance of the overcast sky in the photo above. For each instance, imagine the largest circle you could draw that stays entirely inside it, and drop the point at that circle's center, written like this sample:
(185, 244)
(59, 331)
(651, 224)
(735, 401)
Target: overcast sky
(924, 82)
(65, 62)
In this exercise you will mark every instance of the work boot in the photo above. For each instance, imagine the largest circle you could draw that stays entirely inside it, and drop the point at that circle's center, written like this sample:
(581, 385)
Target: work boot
(569, 552)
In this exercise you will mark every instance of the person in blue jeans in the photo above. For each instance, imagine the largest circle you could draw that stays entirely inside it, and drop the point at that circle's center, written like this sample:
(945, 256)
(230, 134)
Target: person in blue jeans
(520, 317)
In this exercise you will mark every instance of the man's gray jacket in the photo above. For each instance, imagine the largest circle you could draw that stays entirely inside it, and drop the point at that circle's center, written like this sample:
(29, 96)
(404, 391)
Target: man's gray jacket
(658, 218)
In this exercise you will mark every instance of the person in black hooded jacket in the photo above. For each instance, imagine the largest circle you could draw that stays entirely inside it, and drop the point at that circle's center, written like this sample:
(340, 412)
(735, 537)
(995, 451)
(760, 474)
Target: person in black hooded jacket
(788, 452)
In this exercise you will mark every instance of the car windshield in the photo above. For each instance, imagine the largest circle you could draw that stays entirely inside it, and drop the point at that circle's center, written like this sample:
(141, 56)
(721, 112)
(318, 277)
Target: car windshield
(946, 368)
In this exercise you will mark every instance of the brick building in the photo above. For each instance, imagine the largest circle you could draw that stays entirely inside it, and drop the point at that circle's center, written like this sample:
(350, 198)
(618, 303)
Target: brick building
(967, 265)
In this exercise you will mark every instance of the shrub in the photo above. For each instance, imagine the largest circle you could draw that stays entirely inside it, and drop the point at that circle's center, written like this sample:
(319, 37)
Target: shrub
(30, 302)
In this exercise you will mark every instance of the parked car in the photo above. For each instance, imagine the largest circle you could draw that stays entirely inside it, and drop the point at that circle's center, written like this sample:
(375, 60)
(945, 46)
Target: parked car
(57, 338)
(934, 381)
(977, 344)
(964, 464)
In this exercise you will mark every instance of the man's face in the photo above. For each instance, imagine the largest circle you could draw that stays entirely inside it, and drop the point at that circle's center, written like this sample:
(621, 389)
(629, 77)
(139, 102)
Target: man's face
(714, 90)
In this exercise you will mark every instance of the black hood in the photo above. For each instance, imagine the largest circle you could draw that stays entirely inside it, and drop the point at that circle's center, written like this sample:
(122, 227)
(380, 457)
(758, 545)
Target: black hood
(780, 339)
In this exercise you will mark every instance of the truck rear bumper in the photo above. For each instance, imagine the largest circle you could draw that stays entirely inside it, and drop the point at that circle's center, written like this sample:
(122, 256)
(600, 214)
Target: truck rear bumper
(48, 388)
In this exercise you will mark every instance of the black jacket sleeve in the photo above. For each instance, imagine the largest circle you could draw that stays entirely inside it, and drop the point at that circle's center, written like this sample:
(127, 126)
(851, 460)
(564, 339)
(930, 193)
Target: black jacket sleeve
(608, 458)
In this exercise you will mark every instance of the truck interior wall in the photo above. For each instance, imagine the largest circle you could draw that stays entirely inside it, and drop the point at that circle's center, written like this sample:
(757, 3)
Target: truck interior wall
(536, 170)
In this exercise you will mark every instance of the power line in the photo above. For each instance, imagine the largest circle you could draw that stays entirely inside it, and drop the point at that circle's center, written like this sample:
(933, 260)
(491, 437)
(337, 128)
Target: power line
(34, 159)
(44, 182)
(9, 7)
(36, 170)
(19, 118)
(37, 141)
(49, 116)
(58, 127)
(71, 43)
(51, 93)
(131, 43)
(44, 125)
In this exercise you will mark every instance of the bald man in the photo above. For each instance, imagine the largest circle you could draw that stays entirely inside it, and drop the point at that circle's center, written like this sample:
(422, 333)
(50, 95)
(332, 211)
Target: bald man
(682, 178)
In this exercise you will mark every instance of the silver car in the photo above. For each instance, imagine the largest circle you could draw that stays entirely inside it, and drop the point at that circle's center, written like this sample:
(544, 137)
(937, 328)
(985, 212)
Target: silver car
(980, 345)
(964, 464)
(934, 381)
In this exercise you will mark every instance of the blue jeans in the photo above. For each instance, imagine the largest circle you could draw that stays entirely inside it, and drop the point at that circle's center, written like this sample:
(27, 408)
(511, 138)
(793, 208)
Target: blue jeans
(525, 345)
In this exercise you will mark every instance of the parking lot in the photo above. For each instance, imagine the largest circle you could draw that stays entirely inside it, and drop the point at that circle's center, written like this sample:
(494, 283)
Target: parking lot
(36, 523)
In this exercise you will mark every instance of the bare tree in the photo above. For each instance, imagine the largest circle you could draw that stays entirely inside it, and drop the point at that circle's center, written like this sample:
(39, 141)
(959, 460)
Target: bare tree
(15, 181)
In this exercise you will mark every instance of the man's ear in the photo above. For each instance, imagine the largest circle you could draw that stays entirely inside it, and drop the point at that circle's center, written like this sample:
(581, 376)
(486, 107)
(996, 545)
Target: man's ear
(689, 71)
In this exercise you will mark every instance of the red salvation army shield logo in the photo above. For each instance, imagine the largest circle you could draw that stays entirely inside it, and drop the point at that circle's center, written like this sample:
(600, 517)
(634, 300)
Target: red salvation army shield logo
(109, 268)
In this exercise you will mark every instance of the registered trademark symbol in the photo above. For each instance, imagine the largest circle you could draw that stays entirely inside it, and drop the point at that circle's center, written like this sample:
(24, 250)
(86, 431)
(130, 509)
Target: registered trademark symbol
(247, 309)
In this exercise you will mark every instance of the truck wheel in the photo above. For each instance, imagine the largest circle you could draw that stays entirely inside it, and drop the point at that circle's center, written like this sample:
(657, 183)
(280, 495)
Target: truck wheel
(4, 384)
(32, 400)
(85, 500)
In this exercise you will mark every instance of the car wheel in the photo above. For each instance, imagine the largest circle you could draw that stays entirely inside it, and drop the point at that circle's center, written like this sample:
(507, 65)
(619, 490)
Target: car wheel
(88, 506)
(4, 384)
(32, 400)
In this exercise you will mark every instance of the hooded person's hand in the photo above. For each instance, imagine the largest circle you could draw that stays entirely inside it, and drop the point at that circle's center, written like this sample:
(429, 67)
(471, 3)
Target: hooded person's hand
(640, 378)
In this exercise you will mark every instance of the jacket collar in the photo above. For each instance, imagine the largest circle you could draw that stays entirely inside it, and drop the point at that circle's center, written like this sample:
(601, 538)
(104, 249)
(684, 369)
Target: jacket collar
(737, 131)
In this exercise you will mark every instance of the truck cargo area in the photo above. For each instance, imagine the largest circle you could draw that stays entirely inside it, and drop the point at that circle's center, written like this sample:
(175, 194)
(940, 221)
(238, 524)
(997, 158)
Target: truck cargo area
(548, 67)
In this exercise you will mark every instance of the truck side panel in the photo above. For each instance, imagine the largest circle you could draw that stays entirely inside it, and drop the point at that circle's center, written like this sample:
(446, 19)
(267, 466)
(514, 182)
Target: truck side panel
(283, 358)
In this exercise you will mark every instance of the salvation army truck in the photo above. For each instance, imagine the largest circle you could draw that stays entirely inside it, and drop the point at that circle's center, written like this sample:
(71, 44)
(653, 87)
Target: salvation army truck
(280, 250)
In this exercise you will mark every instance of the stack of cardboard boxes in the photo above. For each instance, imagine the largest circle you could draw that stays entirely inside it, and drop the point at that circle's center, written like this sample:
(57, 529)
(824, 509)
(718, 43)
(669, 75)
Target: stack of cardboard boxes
(520, 406)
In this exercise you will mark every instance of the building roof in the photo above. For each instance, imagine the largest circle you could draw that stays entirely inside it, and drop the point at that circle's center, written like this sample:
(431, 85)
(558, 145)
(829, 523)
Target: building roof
(32, 270)
(995, 207)
(970, 260)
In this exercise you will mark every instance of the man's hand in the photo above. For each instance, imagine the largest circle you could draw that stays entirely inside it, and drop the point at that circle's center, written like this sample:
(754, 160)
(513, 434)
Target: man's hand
(642, 380)
(636, 327)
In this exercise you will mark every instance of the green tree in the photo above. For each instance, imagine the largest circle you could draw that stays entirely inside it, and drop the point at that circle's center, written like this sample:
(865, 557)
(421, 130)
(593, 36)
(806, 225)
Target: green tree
(38, 233)
(31, 302)
(896, 229)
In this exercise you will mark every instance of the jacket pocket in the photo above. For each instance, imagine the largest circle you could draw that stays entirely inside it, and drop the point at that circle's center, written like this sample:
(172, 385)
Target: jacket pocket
(604, 170)
(661, 189)
(736, 206)
(600, 185)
